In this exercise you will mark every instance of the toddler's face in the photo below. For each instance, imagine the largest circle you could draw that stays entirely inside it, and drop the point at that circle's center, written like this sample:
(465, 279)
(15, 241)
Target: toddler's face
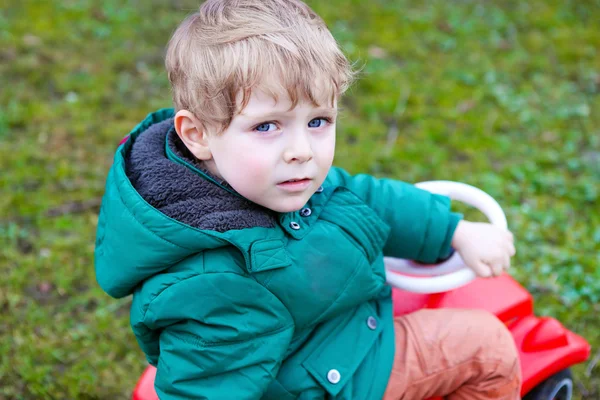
(274, 156)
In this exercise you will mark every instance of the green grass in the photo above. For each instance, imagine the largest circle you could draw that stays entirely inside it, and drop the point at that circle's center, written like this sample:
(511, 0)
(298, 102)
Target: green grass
(503, 95)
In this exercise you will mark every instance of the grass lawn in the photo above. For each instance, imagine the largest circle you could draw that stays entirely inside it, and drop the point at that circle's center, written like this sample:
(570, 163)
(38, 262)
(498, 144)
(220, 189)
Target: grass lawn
(503, 95)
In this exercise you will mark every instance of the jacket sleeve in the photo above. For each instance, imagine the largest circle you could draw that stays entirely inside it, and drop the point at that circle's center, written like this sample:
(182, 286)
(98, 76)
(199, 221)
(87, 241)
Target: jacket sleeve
(421, 223)
(222, 336)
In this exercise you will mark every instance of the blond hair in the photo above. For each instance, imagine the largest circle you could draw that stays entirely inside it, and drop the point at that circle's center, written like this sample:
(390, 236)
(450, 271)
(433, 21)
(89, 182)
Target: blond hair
(230, 47)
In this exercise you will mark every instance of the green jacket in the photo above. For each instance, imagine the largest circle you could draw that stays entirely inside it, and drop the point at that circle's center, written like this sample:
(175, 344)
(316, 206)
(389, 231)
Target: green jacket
(281, 312)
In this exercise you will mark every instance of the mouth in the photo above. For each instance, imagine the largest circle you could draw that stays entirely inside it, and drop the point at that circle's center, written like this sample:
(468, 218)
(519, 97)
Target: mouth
(295, 180)
(295, 184)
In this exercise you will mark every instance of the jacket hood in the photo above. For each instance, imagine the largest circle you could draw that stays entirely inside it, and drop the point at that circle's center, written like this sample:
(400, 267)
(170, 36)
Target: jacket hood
(160, 207)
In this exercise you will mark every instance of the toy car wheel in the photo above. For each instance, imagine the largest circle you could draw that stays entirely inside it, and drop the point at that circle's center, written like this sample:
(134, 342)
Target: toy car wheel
(558, 387)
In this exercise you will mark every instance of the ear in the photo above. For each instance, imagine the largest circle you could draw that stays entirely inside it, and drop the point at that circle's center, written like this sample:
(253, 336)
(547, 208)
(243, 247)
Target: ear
(192, 133)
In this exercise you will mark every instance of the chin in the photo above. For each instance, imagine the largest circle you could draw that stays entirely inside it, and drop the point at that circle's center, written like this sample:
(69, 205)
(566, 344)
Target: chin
(284, 209)
(288, 206)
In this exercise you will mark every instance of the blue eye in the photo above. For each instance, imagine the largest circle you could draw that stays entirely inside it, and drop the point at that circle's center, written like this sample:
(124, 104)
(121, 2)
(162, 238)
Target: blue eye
(317, 123)
(266, 127)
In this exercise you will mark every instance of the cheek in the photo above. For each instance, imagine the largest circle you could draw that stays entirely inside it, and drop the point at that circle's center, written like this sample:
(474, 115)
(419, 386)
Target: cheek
(326, 150)
(245, 166)
(253, 166)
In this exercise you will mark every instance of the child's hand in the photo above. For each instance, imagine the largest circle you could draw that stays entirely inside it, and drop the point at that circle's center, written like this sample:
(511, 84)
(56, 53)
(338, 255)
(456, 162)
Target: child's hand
(485, 248)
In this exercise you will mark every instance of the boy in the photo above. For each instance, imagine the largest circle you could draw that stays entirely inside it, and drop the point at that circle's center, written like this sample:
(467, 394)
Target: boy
(256, 267)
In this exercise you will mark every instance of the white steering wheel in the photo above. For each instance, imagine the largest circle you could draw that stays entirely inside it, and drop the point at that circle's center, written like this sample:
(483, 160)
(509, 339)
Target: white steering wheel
(452, 273)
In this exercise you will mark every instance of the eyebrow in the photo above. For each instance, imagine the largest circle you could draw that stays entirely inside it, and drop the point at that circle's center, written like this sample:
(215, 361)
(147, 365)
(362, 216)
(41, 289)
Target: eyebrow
(272, 114)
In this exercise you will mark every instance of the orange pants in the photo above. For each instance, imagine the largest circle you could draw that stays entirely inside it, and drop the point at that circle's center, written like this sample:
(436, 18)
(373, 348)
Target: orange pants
(458, 354)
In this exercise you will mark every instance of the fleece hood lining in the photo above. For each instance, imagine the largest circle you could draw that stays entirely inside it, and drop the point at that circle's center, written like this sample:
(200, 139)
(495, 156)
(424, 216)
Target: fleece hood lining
(183, 194)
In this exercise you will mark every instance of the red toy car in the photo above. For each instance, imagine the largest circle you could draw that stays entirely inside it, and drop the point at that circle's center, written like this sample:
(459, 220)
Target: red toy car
(546, 348)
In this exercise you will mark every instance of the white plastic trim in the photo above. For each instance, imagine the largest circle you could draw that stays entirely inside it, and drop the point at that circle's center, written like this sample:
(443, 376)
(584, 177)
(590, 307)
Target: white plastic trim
(452, 273)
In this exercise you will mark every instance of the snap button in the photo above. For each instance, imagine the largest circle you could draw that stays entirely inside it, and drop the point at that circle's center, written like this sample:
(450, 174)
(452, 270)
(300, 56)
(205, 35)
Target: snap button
(294, 225)
(320, 189)
(372, 323)
(305, 212)
(333, 376)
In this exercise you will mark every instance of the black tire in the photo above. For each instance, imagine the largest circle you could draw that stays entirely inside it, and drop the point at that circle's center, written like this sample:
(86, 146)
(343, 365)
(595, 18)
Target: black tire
(558, 387)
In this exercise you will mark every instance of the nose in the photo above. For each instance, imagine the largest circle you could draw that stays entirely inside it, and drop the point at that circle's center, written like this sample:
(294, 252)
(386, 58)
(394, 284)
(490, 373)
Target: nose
(299, 147)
